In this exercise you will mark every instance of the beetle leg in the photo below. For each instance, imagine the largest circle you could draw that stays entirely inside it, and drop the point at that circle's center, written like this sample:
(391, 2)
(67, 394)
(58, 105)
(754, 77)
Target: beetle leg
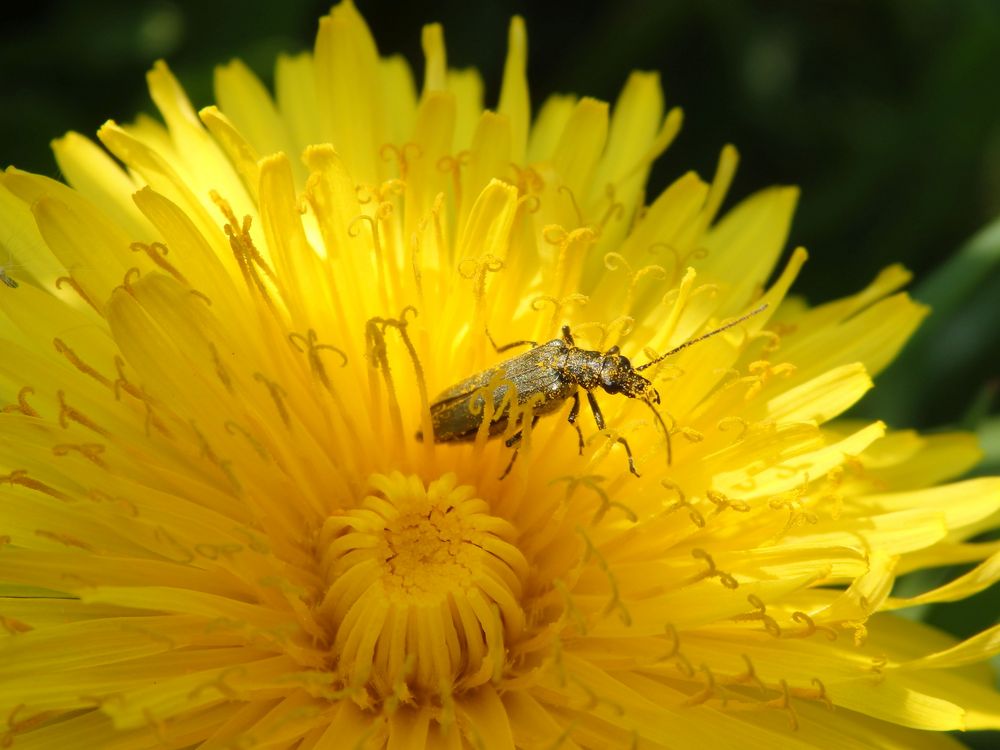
(567, 336)
(513, 457)
(514, 441)
(511, 345)
(599, 418)
(574, 412)
(628, 453)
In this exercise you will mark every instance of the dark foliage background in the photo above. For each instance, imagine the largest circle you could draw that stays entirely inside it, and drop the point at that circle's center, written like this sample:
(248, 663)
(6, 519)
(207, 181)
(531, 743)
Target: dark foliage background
(885, 112)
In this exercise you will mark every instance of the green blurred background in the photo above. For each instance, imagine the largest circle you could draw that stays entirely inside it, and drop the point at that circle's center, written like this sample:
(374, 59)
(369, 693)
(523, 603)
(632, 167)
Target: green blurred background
(886, 113)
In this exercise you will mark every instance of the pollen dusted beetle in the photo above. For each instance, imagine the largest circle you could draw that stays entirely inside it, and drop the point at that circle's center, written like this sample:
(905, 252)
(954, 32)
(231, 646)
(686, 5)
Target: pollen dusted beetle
(555, 371)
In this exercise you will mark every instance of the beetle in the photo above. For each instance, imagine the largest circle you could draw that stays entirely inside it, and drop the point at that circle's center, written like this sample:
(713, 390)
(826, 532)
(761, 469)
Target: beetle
(550, 374)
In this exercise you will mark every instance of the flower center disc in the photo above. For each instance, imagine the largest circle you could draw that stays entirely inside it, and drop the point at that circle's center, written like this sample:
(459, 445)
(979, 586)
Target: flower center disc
(423, 589)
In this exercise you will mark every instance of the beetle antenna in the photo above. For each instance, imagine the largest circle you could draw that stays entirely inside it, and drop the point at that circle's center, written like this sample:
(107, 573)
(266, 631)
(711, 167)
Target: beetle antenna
(704, 336)
(666, 432)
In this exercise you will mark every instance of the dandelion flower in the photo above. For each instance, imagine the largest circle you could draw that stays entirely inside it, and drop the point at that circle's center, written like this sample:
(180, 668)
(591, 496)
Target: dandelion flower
(220, 529)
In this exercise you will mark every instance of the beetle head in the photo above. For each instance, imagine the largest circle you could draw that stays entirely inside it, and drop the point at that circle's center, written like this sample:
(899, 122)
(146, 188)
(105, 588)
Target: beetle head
(618, 376)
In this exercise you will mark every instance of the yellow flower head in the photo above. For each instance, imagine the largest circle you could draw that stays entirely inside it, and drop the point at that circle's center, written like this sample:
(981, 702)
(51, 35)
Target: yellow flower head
(237, 513)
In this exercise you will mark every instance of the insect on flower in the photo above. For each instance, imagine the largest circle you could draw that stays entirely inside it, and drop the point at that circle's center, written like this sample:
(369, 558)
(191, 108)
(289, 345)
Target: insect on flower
(546, 376)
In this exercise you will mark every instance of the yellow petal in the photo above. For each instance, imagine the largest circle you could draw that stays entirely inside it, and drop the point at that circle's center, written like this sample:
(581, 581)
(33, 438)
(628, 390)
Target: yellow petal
(247, 105)
(435, 59)
(242, 155)
(549, 127)
(91, 171)
(349, 98)
(295, 93)
(514, 101)
(467, 88)
(745, 244)
(400, 100)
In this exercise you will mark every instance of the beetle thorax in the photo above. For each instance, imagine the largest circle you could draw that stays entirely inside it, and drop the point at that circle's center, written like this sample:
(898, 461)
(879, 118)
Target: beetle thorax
(584, 367)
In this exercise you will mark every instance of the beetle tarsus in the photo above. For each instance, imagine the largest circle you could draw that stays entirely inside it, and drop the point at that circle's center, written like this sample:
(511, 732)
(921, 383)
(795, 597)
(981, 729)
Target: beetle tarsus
(599, 419)
(628, 453)
(510, 465)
